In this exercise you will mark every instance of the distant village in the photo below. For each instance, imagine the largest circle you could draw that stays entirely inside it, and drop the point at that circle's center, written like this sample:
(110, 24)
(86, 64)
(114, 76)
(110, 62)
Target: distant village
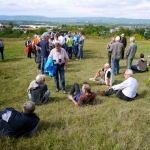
(36, 26)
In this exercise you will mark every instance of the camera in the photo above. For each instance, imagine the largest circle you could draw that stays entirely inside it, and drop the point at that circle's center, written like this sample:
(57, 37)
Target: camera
(59, 60)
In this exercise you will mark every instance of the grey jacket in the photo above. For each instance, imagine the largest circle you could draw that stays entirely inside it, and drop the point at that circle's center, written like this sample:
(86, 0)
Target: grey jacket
(131, 51)
(117, 48)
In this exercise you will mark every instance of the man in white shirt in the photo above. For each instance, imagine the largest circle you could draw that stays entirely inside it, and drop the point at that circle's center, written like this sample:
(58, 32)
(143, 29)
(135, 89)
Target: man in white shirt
(127, 90)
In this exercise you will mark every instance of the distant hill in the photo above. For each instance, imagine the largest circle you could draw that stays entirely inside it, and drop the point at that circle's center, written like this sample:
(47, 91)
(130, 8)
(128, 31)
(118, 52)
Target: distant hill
(77, 20)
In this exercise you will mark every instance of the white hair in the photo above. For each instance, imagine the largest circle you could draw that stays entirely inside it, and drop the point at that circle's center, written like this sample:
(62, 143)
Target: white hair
(28, 107)
(39, 78)
(129, 71)
(106, 65)
(132, 39)
(117, 38)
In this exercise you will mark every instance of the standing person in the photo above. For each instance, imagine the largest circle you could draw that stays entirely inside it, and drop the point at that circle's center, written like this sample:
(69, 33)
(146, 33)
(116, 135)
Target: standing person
(80, 46)
(127, 90)
(76, 38)
(69, 43)
(17, 124)
(28, 45)
(108, 50)
(62, 40)
(116, 49)
(35, 41)
(60, 58)
(38, 91)
(82, 98)
(124, 42)
(43, 45)
(131, 52)
(2, 49)
(141, 64)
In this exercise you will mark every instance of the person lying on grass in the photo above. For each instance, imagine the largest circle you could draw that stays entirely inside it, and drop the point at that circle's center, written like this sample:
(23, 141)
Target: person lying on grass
(127, 90)
(17, 124)
(82, 97)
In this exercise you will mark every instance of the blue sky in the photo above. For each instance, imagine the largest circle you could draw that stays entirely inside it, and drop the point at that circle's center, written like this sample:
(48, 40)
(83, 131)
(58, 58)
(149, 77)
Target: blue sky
(136, 9)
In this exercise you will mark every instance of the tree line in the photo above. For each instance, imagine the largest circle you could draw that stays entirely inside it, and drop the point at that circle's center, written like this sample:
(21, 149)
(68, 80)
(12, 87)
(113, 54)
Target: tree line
(88, 30)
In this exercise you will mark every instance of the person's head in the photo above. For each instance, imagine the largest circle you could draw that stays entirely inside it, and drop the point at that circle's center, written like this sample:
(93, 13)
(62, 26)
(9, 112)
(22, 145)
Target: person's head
(86, 88)
(117, 38)
(113, 40)
(28, 108)
(43, 37)
(122, 35)
(40, 78)
(128, 73)
(132, 39)
(28, 38)
(106, 66)
(141, 55)
(57, 46)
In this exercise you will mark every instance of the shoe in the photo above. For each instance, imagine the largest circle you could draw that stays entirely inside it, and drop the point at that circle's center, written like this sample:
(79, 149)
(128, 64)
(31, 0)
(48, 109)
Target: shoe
(57, 90)
(64, 92)
(92, 79)
(100, 92)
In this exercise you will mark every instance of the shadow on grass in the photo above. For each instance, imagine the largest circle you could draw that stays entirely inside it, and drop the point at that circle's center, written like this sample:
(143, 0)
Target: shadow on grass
(12, 60)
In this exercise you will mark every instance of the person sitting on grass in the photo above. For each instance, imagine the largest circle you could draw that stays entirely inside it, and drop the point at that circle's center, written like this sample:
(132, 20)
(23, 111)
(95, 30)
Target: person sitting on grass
(106, 76)
(17, 124)
(82, 97)
(141, 64)
(127, 90)
(38, 91)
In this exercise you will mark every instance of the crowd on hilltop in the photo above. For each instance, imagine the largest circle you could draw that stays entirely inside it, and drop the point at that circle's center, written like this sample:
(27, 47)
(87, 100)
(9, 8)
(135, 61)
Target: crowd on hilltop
(52, 53)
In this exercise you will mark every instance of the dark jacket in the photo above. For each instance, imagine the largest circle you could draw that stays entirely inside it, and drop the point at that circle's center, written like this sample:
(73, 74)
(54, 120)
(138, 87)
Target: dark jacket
(116, 48)
(18, 124)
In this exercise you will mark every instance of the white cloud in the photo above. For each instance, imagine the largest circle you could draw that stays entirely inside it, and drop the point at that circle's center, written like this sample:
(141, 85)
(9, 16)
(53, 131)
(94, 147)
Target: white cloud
(77, 8)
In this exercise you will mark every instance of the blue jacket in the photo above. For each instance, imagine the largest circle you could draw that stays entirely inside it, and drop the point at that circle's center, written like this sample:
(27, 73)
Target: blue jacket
(50, 68)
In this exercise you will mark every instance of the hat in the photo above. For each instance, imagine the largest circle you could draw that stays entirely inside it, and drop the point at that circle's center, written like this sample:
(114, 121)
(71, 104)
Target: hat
(122, 34)
(117, 38)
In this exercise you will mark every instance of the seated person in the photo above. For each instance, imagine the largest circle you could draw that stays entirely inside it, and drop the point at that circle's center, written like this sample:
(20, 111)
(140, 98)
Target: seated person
(141, 64)
(14, 123)
(127, 90)
(38, 91)
(82, 97)
(106, 76)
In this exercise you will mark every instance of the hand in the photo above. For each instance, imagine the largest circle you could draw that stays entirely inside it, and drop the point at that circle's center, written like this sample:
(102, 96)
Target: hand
(65, 67)
(70, 97)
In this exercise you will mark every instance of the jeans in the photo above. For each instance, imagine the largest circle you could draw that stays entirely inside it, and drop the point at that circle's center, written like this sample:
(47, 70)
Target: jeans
(1, 51)
(115, 66)
(135, 69)
(80, 51)
(45, 98)
(75, 88)
(129, 63)
(43, 62)
(69, 52)
(118, 93)
(61, 72)
(75, 50)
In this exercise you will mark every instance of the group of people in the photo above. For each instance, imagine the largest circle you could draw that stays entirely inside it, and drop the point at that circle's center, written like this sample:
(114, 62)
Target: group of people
(25, 123)
(116, 52)
(59, 48)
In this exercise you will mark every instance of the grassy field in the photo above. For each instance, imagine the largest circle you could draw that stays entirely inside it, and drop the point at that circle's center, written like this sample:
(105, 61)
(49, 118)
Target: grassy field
(112, 124)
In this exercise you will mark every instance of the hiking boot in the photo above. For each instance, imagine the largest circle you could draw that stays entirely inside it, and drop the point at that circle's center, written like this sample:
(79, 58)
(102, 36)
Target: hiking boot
(101, 93)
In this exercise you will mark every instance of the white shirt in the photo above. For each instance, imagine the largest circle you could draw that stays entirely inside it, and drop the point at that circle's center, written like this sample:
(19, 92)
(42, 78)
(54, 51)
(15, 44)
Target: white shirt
(129, 87)
(62, 40)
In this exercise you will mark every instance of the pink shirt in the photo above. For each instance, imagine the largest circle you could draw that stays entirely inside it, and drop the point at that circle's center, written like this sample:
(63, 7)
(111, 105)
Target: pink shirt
(62, 55)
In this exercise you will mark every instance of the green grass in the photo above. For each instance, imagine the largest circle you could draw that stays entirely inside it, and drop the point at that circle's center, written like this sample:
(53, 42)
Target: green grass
(112, 124)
